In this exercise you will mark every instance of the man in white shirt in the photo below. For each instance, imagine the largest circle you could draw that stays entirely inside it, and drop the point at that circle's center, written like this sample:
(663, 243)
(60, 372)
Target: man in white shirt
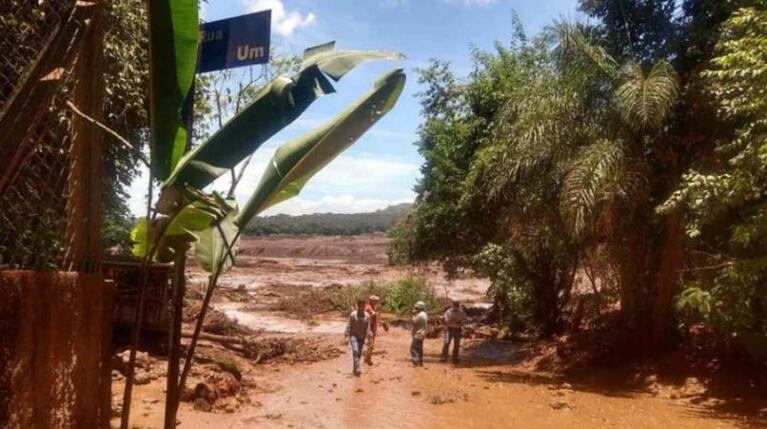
(454, 320)
(357, 330)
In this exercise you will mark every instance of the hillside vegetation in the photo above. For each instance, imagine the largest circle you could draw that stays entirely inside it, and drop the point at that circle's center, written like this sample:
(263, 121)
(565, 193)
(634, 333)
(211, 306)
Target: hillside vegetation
(329, 223)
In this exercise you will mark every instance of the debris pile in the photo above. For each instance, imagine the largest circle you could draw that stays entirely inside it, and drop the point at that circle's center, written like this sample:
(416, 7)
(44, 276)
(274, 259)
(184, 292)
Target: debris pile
(289, 349)
(216, 391)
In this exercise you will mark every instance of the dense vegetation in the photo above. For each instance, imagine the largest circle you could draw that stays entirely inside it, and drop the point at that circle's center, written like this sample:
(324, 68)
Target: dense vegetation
(329, 223)
(629, 154)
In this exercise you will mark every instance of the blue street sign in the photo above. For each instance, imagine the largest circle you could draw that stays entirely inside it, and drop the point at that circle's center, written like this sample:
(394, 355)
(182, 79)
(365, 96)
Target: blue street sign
(235, 42)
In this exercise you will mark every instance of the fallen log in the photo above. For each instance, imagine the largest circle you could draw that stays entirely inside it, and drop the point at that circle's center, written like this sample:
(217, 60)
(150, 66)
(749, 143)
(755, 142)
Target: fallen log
(231, 343)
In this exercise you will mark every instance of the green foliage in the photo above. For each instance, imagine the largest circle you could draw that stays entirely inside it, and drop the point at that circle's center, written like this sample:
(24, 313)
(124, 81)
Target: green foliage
(401, 295)
(329, 223)
(294, 163)
(173, 39)
(345, 300)
(184, 214)
(398, 296)
(724, 200)
(273, 107)
(510, 289)
(217, 244)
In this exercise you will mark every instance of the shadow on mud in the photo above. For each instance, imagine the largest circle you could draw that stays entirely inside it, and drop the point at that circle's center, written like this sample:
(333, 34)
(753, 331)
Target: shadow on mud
(739, 396)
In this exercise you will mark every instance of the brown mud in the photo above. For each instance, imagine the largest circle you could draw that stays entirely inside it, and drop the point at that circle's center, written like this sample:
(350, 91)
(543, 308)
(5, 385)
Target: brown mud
(293, 369)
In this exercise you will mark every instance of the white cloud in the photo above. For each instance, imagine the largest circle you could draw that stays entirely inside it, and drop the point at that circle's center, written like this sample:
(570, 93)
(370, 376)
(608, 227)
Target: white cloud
(333, 204)
(283, 20)
(352, 183)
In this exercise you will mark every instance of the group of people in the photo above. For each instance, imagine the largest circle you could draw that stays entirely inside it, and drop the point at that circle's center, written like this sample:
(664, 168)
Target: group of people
(363, 328)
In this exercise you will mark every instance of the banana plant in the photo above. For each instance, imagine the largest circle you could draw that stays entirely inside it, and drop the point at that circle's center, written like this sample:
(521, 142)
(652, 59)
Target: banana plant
(184, 215)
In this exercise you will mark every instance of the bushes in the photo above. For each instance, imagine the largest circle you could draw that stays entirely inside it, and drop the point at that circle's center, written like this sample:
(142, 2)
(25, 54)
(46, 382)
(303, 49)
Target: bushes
(398, 296)
(401, 295)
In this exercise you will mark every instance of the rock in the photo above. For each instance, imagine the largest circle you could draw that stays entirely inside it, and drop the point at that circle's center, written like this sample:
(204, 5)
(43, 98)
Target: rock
(560, 405)
(566, 386)
(142, 377)
(692, 387)
(231, 404)
(228, 385)
(205, 391)
(359, 390)
(416, 393)
(200, 404)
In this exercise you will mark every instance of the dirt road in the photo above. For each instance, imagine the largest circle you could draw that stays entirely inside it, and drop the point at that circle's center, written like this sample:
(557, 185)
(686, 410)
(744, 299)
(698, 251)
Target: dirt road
(480, 393)
(494, 387)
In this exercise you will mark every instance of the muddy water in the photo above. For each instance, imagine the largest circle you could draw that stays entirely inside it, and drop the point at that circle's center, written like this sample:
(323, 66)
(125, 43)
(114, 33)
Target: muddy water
(480, 394)
(487, 391)
(278, 323)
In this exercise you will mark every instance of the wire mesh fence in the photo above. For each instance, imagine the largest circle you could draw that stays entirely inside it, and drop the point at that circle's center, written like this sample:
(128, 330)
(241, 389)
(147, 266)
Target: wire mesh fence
(26, 27)
(38, 76)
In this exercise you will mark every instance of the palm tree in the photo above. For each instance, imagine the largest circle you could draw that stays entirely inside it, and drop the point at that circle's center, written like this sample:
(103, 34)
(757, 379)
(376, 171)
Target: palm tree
(580, 137)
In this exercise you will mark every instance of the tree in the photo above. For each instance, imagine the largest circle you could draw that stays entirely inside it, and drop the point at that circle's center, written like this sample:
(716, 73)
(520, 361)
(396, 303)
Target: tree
(723, 194)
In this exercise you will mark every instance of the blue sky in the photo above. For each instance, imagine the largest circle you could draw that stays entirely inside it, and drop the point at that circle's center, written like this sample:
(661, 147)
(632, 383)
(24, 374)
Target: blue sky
(382, 167)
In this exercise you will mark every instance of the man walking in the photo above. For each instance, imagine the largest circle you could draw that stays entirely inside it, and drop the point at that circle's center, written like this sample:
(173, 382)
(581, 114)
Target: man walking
(454, 320)
(372, 310)
(420, 323)
(356, 332)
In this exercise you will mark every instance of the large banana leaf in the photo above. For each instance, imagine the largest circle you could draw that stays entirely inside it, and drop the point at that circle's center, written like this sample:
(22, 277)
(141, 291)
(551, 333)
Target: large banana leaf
(296, 162)
(275, 106)
(337, 64)
(217, 243)
(173, 35)
(178, 230)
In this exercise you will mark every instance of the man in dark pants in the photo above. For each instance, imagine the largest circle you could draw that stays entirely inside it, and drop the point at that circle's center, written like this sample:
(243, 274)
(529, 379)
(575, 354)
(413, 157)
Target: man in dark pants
(356, 331)
(420, 326)
(453, 320)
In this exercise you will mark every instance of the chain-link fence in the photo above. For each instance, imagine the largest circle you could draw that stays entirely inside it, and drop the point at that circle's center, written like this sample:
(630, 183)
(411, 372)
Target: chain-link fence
(40, 43)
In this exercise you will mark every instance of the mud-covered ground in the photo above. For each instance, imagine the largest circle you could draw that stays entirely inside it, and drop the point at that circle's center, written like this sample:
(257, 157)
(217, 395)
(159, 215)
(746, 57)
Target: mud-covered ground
(285, 364)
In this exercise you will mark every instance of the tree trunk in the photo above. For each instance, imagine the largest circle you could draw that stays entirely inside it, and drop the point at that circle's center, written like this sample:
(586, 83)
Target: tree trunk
(172, 395)
(633, 257)
(670, 261)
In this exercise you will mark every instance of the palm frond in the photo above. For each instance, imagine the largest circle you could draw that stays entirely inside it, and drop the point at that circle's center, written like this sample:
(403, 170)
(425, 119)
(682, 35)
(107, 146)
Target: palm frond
(601, 177)
(575, 51)
(646, 101)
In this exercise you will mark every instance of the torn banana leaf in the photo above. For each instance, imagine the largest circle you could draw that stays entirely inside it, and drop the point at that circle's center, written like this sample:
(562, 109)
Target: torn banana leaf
(274, 107)
(296, 162)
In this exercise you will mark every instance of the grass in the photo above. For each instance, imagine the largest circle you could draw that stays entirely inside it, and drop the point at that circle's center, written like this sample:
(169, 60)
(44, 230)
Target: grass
(398, 296)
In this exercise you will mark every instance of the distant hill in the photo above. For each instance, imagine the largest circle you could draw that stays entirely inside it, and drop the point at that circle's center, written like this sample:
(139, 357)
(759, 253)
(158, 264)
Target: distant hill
(329, 223)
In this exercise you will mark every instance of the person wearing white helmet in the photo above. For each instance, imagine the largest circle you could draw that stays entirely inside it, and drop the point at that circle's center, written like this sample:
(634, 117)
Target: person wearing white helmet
(420, 324)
